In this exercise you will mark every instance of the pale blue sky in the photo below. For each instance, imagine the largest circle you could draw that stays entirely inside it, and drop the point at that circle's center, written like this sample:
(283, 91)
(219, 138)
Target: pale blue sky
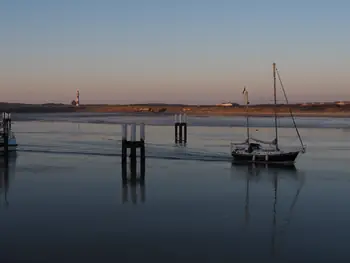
(176, 51)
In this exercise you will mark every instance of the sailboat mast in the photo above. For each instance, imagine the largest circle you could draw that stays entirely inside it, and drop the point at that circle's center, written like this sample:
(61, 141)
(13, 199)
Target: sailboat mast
(245, 93)
(275, 101)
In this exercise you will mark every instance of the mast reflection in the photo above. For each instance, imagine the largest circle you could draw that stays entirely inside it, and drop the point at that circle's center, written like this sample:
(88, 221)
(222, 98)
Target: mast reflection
(274, 174)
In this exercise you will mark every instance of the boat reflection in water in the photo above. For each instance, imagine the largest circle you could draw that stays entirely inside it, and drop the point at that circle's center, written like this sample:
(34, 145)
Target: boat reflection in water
(263, 171)
(277, 175)
(7, 173)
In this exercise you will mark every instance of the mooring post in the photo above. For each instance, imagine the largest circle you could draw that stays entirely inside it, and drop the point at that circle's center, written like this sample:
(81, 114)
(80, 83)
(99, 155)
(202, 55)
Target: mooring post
(133, 144)
(184, 124)
(6, 129)
(124, 142)
(176, 126)
(142, 151)
(180, 128)
(124, 151)
(133, 153)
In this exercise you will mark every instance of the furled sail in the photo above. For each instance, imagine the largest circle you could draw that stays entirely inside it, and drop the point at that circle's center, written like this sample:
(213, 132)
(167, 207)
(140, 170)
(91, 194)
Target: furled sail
(273, 142)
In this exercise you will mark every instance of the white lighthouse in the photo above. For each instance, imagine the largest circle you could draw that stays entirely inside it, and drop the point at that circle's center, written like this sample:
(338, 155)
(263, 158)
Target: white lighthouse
(77, 99)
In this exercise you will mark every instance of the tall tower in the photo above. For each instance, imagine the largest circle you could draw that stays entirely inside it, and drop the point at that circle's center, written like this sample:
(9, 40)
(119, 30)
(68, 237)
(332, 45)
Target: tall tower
(77, 99)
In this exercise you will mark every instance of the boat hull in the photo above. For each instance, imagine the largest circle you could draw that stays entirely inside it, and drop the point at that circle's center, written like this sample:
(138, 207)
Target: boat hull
(287, 158)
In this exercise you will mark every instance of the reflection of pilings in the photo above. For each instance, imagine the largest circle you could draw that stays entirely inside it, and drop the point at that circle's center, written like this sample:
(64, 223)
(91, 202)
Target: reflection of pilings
(180, 126)
(133, 178)
(5, 181)
(142, 191)
(133, 174)
(125, 192)
(133, 144)
(136, 189)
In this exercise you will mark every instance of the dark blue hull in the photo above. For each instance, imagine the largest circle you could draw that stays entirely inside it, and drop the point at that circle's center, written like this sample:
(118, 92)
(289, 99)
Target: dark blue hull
(282, 158)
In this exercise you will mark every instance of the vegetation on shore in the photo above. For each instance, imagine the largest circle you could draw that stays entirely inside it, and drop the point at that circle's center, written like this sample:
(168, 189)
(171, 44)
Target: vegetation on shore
(254, 110)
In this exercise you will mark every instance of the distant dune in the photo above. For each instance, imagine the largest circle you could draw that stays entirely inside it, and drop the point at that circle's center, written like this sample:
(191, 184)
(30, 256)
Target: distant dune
(321, 110)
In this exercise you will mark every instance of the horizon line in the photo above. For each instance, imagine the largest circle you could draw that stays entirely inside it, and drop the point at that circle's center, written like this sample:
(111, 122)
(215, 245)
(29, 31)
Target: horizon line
(173, 104)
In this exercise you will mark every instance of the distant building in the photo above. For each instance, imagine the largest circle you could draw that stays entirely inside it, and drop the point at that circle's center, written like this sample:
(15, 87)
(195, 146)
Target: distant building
(339, 103)
(342, 103)
(227, 104)
(314, 103)
(144, 109)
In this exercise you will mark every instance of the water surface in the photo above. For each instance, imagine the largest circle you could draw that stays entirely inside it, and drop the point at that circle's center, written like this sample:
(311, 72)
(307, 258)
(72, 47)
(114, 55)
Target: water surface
(62, 198)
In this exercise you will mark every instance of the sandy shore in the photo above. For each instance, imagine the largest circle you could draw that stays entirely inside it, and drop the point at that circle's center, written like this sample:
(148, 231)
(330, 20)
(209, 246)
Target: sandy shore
(262, 111)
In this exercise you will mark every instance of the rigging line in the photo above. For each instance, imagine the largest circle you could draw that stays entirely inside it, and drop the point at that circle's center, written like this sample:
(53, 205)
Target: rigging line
(275, 104)
(290, 110)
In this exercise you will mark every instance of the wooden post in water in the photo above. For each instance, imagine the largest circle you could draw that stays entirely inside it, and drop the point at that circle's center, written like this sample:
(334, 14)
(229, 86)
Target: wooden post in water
(184, 124)
(6, 122)
(133, 144)
(133, 185)
(142, 152)
(176, 127)
(180, 126)
(133, 153)
(124, 152)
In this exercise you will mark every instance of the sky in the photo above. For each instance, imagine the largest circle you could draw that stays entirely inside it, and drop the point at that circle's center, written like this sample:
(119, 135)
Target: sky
(183, 51)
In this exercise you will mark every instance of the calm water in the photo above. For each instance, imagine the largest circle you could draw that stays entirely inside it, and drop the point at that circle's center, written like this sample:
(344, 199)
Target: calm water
(62, 198)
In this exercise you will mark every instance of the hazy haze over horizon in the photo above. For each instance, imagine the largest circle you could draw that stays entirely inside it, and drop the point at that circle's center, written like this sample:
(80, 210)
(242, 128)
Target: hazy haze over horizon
(193, 51)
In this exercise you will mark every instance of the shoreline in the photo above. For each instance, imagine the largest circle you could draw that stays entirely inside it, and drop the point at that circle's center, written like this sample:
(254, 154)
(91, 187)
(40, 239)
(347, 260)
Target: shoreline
(281, 115)
(330, 111)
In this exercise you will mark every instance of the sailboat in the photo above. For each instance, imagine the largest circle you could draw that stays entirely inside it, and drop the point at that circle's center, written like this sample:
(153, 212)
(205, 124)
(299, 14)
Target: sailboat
(258, 151)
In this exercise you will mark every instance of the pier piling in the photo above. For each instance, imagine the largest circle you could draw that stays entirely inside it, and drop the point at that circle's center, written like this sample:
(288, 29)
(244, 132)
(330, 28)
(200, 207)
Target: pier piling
(133, 144)
(180, 126)
(6, 125)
